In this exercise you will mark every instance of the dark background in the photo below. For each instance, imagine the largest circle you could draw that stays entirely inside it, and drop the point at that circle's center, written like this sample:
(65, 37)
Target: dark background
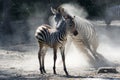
(14, 16)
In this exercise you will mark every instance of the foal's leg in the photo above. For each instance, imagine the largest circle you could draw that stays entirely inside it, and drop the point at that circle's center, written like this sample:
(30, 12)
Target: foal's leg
(39, 57)
(62, 50)
(55, 57)
(43, 58)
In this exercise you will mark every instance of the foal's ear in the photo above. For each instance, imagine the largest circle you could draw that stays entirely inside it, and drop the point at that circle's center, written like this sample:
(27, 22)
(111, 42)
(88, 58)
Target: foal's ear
(54, 11)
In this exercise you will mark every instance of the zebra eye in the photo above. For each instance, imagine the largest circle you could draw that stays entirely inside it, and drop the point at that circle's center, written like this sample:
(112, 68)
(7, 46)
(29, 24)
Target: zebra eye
(75, 33)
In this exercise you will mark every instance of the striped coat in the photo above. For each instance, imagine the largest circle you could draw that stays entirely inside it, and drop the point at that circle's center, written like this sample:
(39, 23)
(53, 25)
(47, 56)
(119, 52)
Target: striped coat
(54, 38)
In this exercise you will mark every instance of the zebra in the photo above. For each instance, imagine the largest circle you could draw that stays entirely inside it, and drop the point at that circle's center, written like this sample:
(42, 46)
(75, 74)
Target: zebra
(55, 38)
(85, 38)
(112, 13)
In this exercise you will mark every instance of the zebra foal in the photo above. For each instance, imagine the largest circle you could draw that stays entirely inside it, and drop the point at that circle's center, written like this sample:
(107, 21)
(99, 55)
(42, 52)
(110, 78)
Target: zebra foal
(54, 38)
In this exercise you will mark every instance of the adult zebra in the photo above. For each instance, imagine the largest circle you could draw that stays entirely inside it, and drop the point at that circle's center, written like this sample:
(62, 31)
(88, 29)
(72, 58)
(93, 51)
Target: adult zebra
(85, 38)
(112, 13)
(54, 38)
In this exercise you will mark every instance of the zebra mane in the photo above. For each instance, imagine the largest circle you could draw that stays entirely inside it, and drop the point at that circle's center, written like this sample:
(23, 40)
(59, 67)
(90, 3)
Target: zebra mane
(61, 24)
(81, 22)
(48, 26)
(83, 26)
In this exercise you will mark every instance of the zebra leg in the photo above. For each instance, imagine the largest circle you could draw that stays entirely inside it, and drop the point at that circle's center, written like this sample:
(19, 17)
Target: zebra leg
(55, 57)
(86, 53)
(68, 45)
(86, 43)
(39, 57)
(94, 51)
(43, 58)
(62, 49)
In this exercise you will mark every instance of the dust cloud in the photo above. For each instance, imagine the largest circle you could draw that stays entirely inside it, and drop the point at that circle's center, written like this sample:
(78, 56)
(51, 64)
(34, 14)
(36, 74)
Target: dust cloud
(108, 48)
(75, 10)
(30, 59)
(108, 45)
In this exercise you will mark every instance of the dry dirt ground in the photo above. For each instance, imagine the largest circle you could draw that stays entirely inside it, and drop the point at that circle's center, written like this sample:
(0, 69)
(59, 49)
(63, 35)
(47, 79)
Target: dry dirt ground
(19, 62)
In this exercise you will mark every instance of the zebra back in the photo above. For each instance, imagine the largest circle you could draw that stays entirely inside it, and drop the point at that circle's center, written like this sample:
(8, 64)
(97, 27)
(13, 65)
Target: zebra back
(54, 36)
(42, 32)
(86, 31)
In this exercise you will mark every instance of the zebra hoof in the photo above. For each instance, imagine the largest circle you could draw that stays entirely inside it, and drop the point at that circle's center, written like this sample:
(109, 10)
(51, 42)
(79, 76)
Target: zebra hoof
(67, 74)
(44, 70)
(41, 72)
(55, 72)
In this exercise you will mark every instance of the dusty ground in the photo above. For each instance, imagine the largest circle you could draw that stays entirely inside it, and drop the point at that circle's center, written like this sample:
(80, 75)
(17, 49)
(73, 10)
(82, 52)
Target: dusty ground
(19, 62)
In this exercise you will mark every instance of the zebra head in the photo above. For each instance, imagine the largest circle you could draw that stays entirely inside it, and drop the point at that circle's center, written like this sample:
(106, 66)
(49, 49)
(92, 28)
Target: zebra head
(60, 15)
(57, 15)
(71, 24)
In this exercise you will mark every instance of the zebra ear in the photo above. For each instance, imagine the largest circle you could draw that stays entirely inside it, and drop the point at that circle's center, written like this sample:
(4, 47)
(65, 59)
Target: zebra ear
(62, 10)
(54, 11)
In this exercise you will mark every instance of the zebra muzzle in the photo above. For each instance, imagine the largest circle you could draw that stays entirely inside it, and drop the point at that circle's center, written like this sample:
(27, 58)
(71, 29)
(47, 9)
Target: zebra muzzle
(75, 33)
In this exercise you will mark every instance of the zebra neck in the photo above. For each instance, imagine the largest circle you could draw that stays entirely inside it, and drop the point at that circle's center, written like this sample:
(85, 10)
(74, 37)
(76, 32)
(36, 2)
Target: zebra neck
(61, 27)
(62, 32)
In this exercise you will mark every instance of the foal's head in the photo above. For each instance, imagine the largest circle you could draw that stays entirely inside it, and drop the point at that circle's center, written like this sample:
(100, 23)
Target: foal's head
(61, 15)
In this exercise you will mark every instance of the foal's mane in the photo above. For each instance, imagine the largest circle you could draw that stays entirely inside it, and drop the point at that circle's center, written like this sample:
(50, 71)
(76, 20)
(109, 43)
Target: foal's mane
(48, 26)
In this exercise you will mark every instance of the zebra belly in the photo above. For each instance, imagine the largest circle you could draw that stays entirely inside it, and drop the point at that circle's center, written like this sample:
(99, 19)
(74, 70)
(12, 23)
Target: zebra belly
(53, 44)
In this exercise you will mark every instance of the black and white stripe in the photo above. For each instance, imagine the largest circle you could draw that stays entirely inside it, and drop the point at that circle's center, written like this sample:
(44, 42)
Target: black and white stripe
(55, 38)
(86, 34)
(50, 36)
